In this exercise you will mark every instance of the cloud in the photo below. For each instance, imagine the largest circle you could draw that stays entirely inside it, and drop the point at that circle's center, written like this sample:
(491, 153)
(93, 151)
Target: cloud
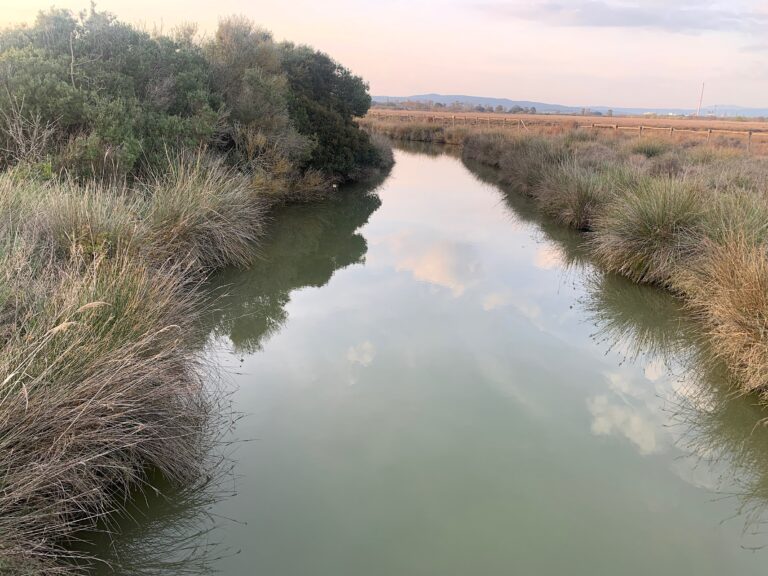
(682, 17)
(609, 418)
(362, 354)
(496, 300)
(453, 265)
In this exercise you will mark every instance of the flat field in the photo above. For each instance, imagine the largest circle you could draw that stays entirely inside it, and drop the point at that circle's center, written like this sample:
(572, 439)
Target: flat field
(751, 136)
(676, 122)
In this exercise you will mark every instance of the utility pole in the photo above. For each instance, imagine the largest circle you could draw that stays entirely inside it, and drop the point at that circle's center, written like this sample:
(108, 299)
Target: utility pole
(701, 99)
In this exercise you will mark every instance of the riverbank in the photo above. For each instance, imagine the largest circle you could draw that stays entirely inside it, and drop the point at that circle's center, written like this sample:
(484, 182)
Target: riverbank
(118, 199)
(100, 323)
(688, 218)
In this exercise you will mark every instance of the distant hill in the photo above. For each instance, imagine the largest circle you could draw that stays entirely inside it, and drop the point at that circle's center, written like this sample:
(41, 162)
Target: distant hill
(448, 99)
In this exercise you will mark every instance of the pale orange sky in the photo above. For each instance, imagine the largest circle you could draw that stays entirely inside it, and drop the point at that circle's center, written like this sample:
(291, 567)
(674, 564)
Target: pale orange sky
(574, 52)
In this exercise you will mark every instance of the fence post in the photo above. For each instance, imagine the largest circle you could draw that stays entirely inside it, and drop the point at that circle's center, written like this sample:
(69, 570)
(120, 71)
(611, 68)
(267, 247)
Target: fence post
(749, 141)
(671, 129)
(709, 135)
(641, 129)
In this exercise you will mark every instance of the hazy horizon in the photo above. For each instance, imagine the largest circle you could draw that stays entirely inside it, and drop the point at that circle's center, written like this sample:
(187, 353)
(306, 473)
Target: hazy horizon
(572, 52)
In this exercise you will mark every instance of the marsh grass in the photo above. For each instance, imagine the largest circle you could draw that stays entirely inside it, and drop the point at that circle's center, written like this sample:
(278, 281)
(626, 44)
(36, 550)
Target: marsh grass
(522, 160)
(726, 287)
(572, 194)
(204, 212)
(650, 147)
(649, 230)
(96, 369)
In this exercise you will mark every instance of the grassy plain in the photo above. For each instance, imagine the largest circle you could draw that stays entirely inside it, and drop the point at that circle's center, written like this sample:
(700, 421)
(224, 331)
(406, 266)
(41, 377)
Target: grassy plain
(725, 132)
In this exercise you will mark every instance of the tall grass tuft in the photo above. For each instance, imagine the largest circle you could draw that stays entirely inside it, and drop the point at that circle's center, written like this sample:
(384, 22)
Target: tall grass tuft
(203, 212)
(95, 367)
(650, 147)
(727, 289)
(647, 231)
(572, 194)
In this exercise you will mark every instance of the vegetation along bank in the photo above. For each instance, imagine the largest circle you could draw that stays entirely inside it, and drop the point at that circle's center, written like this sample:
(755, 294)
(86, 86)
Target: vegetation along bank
(131, 166)
(684, 215)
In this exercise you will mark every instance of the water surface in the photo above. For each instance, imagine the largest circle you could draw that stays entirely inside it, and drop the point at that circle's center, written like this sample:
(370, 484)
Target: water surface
(436, 382)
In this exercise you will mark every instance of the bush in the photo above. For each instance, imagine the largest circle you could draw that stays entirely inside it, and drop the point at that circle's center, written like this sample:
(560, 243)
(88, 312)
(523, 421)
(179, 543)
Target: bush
(110, 100)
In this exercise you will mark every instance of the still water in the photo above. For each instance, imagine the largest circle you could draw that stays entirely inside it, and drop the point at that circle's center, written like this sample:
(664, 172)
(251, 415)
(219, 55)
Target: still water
(433, 381)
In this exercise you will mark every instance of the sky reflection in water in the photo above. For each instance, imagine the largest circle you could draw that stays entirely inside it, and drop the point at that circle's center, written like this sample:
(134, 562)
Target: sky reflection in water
(452, 389)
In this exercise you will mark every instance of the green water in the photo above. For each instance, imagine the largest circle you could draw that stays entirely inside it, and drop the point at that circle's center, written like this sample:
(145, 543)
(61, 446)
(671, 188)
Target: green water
(433, 381)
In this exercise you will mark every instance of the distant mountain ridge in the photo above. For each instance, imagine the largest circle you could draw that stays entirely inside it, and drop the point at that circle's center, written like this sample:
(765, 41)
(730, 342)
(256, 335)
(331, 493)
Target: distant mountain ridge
(448, 99)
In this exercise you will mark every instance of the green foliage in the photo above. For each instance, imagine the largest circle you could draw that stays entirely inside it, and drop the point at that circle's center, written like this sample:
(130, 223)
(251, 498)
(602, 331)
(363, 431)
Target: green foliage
(324, 100)
(111, 90)
(116, 99)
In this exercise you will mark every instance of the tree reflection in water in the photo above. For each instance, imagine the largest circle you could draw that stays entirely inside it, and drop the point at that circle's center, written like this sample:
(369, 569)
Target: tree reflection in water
(166, 531)
(306, 244)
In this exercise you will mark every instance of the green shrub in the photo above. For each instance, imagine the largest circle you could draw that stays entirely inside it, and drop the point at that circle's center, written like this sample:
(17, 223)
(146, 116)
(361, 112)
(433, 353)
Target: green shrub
(649, 147)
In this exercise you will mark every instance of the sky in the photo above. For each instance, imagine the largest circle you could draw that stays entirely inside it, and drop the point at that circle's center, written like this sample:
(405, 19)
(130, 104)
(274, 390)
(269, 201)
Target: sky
(621, 53)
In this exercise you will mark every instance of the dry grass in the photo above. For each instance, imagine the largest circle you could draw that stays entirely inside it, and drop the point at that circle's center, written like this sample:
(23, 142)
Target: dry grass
(569, 120)
(573, 194)
(204, 212)
(100, 367)
(99, 384)
(688, 132)
(727, 288)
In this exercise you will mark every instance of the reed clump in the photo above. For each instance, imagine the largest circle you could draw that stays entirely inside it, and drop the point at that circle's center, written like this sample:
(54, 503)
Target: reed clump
(100, 381)
(726, 287)
(97, 373)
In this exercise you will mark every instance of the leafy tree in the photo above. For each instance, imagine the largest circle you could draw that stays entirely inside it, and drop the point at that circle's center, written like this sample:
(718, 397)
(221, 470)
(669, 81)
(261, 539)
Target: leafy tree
(324, 99)
(119, 98)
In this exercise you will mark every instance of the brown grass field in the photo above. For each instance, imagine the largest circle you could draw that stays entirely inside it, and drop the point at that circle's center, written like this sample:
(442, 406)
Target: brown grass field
(570, 119)
(743, 134)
